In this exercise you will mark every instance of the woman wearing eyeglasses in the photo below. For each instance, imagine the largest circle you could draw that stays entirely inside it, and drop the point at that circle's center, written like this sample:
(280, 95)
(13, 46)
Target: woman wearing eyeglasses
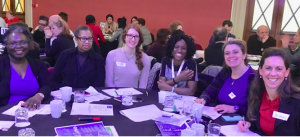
(79, 67)
(128, 66)
(22, 77)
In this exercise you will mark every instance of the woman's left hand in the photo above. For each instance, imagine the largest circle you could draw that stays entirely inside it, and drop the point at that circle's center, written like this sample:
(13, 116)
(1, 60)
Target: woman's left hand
(224, 109)
(33, 103)
(162, 85)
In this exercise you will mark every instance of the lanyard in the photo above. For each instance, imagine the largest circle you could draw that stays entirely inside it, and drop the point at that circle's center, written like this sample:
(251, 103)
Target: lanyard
(180, 68)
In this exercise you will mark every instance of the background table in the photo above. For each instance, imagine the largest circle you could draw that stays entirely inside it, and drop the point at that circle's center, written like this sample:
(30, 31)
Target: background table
(43, 125)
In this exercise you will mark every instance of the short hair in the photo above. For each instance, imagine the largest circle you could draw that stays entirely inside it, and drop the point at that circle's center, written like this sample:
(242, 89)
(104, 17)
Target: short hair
(109, 15)
(82, 28)
(65, 28)
(10, 12)
(174, 25)
(177, 32)
(122, 22)
(42, 17)
(220, 34)
(191, 48)
(141, 21)
(90, 19)
(162, 35)
(241, 44)
(227, 22)
(134, 17)
(262, 26)
(64, 16)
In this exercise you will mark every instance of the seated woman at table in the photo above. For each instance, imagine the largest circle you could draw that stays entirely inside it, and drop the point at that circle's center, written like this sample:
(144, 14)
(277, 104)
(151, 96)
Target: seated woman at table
(79, 67)
(97, 32)
(231, 86)
(110, 26)
(273, 106)
(178, 69)
(119, 31)
(21, 77)
(293, 55)
(58, 39)
(128, 66)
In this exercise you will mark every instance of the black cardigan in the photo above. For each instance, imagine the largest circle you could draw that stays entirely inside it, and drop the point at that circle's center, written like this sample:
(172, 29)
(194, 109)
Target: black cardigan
(210, 94)
(39, 70)
(214, 54)
(254, 46)
(65, 72)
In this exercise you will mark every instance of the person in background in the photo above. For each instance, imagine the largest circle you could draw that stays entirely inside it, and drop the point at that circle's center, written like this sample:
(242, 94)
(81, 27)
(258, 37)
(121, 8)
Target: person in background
(118, 34)
(97, 32)
(230, 88)
(145, 32)
(62, 39)
(2, 23)
(157, 49)
(213, 54)
(134, 20)
(176, 25)
(293, 55)
(65, 16)
(39, 35)
(10, 18)
(260, 41)
(179, 71)
(128, 66)
(228, 25)
(21, 77)
(110, 26)
(79, 67)
(273, 102)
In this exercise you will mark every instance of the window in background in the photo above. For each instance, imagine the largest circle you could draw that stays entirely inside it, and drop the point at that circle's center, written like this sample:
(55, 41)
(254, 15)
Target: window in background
(19, 5)
(291, 16)
(263, 13)
(5, 5)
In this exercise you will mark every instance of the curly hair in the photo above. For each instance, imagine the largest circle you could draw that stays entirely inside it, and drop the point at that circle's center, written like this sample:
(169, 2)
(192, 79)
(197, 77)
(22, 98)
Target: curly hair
(174, 25)
(191, 49)
(138, 51)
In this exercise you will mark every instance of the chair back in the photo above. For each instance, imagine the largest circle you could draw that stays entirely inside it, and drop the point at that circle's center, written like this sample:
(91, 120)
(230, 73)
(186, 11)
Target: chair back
(50, 70)
(203, 82)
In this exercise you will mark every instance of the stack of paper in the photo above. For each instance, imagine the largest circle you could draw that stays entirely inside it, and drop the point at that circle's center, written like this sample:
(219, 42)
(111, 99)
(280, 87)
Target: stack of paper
(172, 119)
(143, 113)
(92, 109)
(117, 92)
(5, 125)
(44, 109)
(210, 112)
(94, 95)
(233, 130)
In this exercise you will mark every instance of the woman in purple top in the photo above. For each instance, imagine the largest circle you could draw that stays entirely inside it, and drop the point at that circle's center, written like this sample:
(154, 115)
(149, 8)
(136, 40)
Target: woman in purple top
(230, 87)
(21, 77)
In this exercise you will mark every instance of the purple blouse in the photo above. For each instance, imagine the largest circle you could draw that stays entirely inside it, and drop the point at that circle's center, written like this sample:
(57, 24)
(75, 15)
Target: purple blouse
(234, 91)
(22, 88)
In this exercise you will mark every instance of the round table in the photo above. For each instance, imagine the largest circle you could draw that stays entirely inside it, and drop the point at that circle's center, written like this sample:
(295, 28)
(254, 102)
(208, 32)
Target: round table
(43, 125)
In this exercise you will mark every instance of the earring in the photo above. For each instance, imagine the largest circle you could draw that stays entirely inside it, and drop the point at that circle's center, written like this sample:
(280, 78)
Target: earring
(260, 76)
(285, 78)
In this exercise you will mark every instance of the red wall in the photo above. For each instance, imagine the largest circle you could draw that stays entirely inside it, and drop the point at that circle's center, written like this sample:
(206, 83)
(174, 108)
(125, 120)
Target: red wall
(199, 17)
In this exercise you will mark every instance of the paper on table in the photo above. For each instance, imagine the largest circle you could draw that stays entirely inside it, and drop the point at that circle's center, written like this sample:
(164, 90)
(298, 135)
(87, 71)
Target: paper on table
(94, 95)
(174, 119)
(210, 112)
(92, 109)
(112, 130)
(233, 130)
(45, 109)
(142, 113)
(5, 125)
(56, 94)
(92, 90)
(112, 92)
(13, 109)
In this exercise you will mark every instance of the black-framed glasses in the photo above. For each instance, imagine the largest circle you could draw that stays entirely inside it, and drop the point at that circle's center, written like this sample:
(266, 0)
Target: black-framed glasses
(13, 44)
(132, 36)
(84, 39)
(42, 24)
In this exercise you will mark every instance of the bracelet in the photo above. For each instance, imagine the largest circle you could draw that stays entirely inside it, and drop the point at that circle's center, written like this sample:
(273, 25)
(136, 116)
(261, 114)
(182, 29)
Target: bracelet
(174, 81)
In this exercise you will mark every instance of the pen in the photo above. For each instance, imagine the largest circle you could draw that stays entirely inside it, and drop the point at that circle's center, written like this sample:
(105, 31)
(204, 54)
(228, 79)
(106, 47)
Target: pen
(89, 119)
(244, 121)
(175, 109)
(117, 100)
(116, 92)
(147, 93)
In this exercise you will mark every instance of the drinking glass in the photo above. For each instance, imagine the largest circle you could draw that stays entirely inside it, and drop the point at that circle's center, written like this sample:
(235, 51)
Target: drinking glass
(188, 132)
(21, 117)
(28, 132)
(127, 98)
(169, 104)
(187, 108)
(79, 96)
(213, 129)
(63, 105)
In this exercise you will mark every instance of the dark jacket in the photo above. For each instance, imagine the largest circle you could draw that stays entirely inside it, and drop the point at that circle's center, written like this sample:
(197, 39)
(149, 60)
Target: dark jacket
(212, 39)
(65, 72)
(60, 44)
(39, 37)
(255, 46)
(291, 127)
(210, 94)
(213, 55)
(39, 70)
(156, 50)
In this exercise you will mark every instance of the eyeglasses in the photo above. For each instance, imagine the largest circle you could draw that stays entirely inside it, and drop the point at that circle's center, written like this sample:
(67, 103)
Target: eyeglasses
(83, 39)
(42, 24)
(15, 43)
(131, 36)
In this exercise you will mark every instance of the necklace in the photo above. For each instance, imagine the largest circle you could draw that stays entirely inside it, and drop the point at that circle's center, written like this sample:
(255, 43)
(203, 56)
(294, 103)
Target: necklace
(128, 58)
(232, 81)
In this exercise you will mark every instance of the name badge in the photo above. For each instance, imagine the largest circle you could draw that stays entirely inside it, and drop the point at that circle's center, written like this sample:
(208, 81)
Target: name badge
(231, 95)
(121, 64)
(281, 116)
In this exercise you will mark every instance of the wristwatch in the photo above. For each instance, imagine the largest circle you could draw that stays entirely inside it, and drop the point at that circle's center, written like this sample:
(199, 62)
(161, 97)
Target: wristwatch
(41, 95)
(236, 108)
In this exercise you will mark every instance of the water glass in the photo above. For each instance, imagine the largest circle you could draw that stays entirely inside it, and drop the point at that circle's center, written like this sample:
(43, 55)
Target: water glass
(188, 132)
(199, 128)
(66, 93)
(63, 106)
(197, 112)
(169, 104)
(187, 108)
(55, 106)
(79, 96)
(21, 117)
(28, 132)
(213, 129)
(127, 98)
